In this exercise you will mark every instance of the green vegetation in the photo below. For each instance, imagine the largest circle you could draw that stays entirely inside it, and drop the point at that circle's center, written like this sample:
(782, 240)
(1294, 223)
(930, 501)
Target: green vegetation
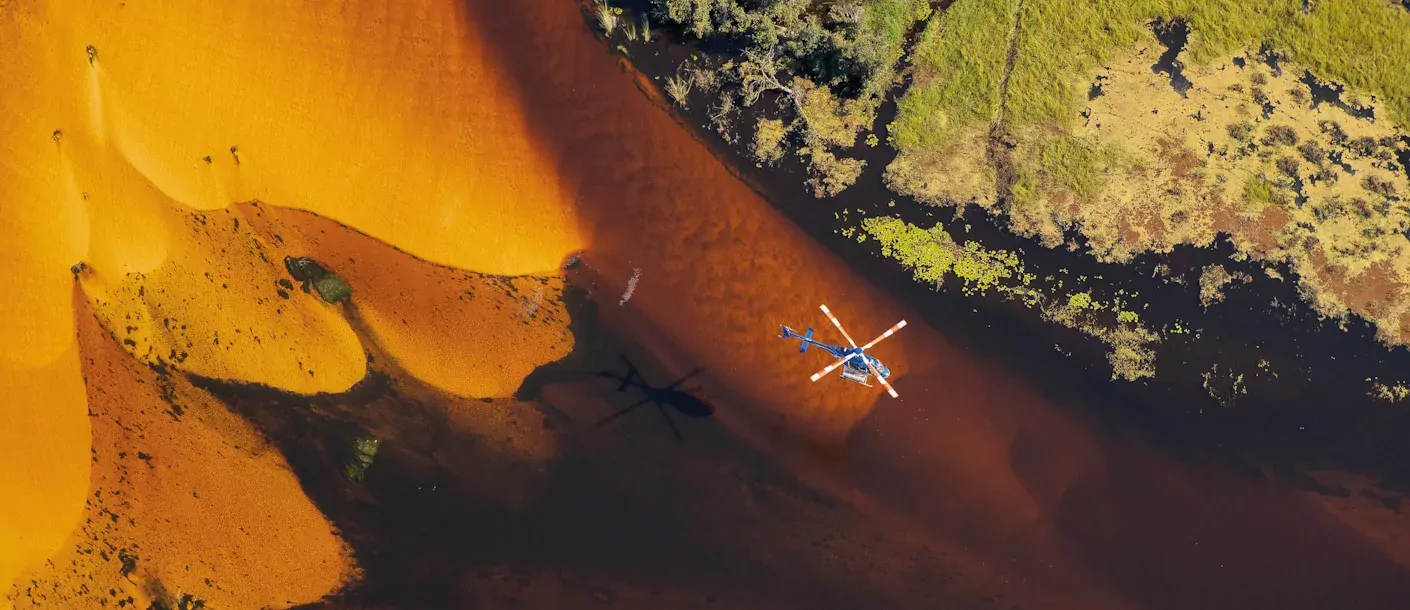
(999, 114)
(606, 16)
(1359, 42)
(1077, 166)
(1392, 393)
(826, 65)
(960, 63)
(932, 255)
(312, 275)
(768, 140)
(359, 452)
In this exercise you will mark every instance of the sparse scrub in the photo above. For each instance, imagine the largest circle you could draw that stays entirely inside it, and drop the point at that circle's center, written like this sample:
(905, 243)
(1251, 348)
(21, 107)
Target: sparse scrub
(1379, 186)
(1280, 135)
(1260, 96)
(1391, 393)
(1364, 146)
(830, 173)
(1288, 166)
(1213, 279)
(1334, 131)
(1313, 152)
(1241, 131)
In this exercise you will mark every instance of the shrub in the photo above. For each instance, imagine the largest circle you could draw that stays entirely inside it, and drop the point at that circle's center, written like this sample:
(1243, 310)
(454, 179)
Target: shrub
(1379, 186)
(1241, 131)
(1280, 135)
(1313, 152)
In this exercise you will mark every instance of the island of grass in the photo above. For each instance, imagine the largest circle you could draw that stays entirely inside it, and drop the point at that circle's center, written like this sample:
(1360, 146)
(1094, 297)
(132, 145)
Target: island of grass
(1146, 125)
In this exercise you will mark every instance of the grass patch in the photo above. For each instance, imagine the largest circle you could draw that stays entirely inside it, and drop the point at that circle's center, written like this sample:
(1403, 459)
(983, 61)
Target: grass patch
(1362, 43)
(1077, 166)
(960, 58)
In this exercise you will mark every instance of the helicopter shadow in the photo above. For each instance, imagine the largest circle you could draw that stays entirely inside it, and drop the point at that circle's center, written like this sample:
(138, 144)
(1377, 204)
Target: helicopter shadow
(595, 345)
(670, 395)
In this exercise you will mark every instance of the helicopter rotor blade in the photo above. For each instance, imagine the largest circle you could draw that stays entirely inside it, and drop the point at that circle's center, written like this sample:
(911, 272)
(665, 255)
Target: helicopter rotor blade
(682, 379)
(674, 430)
(624, 411)
(888, 333)
(883, 381)
(846, 336)
(818, 375)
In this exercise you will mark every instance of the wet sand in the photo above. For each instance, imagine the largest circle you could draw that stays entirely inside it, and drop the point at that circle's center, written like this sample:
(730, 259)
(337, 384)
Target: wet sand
(971, 453)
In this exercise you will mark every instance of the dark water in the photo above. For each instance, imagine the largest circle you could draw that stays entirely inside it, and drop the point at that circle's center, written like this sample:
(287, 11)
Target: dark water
(1172, 34)
(1330, 93)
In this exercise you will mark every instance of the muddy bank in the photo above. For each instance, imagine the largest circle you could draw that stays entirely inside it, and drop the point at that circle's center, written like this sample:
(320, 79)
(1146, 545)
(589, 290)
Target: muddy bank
(981, 472)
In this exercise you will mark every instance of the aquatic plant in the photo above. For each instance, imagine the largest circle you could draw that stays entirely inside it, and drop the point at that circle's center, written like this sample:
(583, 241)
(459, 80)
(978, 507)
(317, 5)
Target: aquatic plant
(1393, 393)
(645, 28)
(606, 17)
(360, 450)
(932, 255)
(678, 87)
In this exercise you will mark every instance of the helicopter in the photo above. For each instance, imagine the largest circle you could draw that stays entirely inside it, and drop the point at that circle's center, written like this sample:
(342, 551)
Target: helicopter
(680, 400)
(856, 365)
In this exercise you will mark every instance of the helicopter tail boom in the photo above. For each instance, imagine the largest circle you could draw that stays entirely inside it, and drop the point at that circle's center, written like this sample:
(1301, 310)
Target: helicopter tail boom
(806, 337)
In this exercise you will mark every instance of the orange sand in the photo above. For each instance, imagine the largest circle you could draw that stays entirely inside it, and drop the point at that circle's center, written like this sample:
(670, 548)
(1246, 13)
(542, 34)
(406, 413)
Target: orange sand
(380, 114)
(330, 107)
(42, 217)
(214, 308)
(44, 451)
(203, 503)
(467, 333)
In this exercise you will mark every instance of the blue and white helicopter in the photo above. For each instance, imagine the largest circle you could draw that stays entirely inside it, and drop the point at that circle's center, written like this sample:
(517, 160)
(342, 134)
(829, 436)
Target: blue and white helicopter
(856, 365)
